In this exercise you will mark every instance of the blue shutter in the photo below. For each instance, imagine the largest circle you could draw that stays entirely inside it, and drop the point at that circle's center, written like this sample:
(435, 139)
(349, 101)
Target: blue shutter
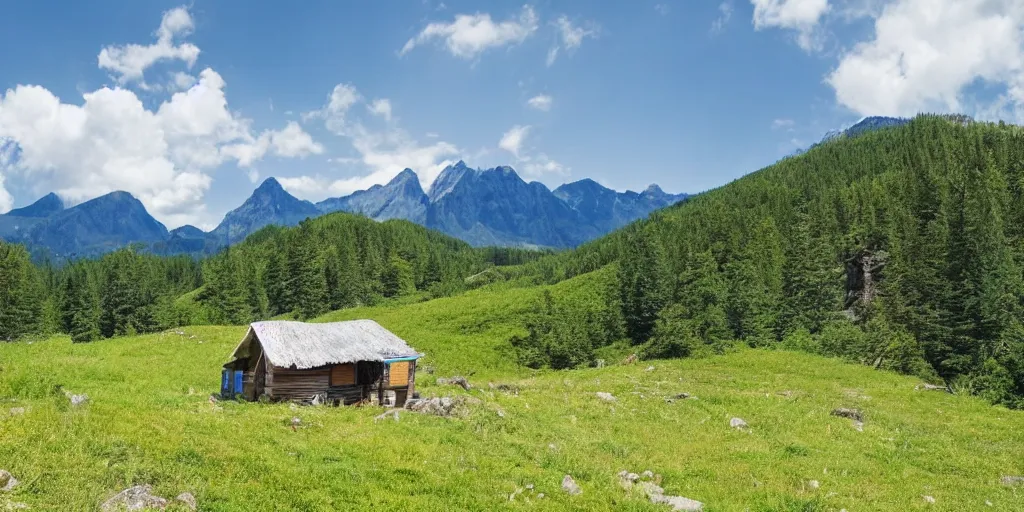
(238, 381)
(225, 382)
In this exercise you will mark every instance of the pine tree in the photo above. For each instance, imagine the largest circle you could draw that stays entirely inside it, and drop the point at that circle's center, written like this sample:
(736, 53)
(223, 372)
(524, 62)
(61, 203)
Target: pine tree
(643, 285)
(80, 307)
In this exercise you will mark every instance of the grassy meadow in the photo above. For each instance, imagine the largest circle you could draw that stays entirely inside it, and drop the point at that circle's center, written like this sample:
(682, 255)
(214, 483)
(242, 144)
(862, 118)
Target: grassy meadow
(149, 419)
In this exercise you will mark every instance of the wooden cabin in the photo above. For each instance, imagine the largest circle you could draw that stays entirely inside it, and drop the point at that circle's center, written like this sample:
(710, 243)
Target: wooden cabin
(339, 363)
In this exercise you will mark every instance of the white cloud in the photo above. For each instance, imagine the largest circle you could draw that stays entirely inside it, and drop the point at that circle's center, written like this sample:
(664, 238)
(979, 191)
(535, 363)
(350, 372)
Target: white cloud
(7, 156)
(182, 81)
(512, 140)
(471, 34)
(380, 107)
(341, 99)
(926, 53)
(112, 142)
(724, 15)
(782, 124)
(552, 56)
(534, 165)
(384, 153)
(799, 15)
(571, 37)
(129, 62)
(540, 102)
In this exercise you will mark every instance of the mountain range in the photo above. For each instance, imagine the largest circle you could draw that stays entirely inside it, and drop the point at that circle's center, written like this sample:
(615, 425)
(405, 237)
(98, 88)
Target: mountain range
(483, 207)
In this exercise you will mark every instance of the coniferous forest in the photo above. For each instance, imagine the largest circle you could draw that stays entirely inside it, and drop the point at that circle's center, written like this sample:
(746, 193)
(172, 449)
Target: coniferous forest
(902, 249)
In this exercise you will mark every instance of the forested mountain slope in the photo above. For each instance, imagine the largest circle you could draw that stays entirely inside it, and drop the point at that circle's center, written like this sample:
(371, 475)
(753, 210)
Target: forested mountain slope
(334, 261)
(901, 248)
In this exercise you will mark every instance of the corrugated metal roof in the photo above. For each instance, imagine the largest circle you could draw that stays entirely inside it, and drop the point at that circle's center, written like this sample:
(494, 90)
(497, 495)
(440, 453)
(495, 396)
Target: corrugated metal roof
(309, 345)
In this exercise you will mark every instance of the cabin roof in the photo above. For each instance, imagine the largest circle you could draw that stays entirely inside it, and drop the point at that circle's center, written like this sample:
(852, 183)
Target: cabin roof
(302, 345)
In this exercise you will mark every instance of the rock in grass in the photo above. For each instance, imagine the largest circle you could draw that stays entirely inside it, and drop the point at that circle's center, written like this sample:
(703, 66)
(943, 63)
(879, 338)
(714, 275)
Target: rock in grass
(932, 387)
(678, 503)
(607, 397)
(928, 499)
(187, 500)
(77, 400)
(17, 411)
(853, 414)
(7, 481)
(738, 424)
(387, 414)
(1012, 481)
(570, 486)
(813, 484)
(139, 497)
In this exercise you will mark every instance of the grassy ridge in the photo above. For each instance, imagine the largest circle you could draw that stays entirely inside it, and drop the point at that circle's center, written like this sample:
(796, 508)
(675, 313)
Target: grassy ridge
(149, 421)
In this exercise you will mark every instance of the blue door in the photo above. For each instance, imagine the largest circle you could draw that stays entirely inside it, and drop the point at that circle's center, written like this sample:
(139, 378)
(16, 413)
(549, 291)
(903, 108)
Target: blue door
(238, 381)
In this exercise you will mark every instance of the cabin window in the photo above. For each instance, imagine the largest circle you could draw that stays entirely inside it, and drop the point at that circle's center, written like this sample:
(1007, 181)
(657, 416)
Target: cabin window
(343, 374)
(399, 373)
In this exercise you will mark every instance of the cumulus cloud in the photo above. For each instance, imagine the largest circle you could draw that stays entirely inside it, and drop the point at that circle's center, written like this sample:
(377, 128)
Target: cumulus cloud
(925, 53)
(339, 101)
(384, 153)
(512, 140)
(724, 15)
(799, 15)
(531, 164)
(469, 35)
(380, 107)
(540, 102)
(129, 62)
(112, 141)
(571, 37)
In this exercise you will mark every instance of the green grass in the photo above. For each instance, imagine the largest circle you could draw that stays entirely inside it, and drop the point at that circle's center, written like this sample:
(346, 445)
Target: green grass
(149, 420)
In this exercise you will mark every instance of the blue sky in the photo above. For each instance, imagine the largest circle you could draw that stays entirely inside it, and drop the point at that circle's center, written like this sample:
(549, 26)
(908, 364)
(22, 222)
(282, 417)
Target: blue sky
(188, 106)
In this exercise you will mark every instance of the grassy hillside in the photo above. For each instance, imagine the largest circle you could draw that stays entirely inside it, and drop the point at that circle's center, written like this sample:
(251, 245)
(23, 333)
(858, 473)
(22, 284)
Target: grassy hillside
(149, 420)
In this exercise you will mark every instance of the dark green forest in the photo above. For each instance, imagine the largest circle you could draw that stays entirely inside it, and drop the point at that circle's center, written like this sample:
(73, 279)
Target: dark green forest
(902, 249)
(331, 262)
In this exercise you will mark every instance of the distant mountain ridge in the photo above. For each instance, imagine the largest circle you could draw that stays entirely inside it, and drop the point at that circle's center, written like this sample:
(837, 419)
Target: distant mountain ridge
(481, 206)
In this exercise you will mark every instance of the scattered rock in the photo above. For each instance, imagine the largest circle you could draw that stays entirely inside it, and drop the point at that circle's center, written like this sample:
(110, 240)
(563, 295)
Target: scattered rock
(187, 500)
(630, 360)
(517, 492)
(678, 396)
(928, 499)
(296, 422)
(77, 400)
(139, 497)
(787, 394)
(600, 363)
(607, 397)
(813, 484)
(17, 411)
(437, 406)
(454, 381)
(569, 485)
(429, 370)
(649, 369)
(989, 503)
(7, 481)
(657, 495)
(647, 474)
(540, 495)
(507, 388)
(388, 414)
(191, 391)
(1012, 481)
(859, 426)
(853, 414)
(932, 387)
(529, 487)
(17, 506)
(738, 424)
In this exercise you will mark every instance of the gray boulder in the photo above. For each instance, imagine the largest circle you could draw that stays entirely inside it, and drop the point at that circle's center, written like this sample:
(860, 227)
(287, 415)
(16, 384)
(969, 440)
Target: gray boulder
(7, 481)
(139, 497)
(570, 486)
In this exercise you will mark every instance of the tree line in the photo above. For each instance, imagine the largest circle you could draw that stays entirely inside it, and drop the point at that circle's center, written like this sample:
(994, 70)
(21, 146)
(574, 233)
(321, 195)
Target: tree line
(331, 262)
(901, 248)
